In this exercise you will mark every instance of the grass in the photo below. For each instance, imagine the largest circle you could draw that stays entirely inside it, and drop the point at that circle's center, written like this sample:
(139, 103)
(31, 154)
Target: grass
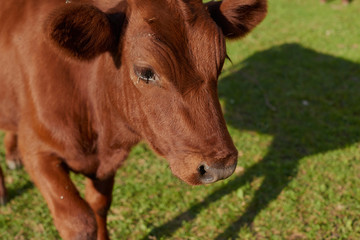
(291, 99)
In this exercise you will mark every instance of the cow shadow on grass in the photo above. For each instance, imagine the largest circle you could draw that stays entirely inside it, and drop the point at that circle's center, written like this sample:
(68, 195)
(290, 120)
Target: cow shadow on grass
(18, 185)
(328, 1)
(308, 101)
(18, 190)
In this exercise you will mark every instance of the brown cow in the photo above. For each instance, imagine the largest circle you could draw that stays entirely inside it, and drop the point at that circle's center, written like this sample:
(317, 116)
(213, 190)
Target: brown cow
(81, 83)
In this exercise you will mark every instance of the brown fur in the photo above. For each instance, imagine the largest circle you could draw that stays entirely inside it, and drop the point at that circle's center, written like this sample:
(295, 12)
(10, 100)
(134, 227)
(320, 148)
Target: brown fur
(237, 17)
(70, 90)
(73, 27)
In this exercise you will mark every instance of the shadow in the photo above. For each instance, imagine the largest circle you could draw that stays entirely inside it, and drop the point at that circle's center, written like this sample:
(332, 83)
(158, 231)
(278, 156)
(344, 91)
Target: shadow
(18, 190)
(328, 1)
(308, 102)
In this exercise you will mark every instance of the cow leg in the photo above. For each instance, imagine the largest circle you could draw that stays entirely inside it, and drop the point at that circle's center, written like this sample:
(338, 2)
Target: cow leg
(72, 215)
(2, 188)
(99, 194)
(12, 156)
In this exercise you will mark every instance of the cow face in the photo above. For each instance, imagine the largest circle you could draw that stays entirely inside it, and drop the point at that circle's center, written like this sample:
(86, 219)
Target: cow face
(168, 57)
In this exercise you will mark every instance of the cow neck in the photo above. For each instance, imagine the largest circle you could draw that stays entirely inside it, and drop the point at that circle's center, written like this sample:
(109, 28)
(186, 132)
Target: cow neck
(115, 136)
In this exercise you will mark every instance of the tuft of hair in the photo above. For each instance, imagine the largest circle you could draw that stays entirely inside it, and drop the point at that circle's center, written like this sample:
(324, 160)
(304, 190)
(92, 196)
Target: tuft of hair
(80, 30)
(236, 18)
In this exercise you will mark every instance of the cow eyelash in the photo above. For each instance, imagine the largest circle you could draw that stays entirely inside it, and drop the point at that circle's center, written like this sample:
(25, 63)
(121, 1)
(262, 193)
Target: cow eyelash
(145, 74)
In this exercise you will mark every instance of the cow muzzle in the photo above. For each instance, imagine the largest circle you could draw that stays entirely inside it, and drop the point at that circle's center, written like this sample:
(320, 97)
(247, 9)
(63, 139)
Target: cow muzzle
(209, 174)
(196, 169)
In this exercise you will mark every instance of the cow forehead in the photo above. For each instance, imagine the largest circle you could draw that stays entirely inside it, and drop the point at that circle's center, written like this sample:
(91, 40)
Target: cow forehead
(187, 29)
(189, 7)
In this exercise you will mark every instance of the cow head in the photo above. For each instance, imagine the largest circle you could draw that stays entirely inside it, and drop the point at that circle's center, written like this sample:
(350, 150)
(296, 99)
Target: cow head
(166, 58)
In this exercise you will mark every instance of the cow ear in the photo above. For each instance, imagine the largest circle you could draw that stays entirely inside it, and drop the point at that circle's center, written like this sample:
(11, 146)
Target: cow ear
(236, 18)
(82, 31)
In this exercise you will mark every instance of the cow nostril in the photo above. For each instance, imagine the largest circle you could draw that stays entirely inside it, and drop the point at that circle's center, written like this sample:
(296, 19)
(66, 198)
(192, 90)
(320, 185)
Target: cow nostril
(202, 170)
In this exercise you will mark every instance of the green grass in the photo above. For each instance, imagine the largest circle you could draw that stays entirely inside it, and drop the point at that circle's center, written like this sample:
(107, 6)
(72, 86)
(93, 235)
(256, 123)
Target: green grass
(291, 98)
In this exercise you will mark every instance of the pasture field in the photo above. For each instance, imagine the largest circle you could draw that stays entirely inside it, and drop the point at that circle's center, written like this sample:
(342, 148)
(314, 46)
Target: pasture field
(291, 97)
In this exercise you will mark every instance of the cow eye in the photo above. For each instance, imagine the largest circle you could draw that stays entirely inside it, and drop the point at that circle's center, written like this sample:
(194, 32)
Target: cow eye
(145, 74)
